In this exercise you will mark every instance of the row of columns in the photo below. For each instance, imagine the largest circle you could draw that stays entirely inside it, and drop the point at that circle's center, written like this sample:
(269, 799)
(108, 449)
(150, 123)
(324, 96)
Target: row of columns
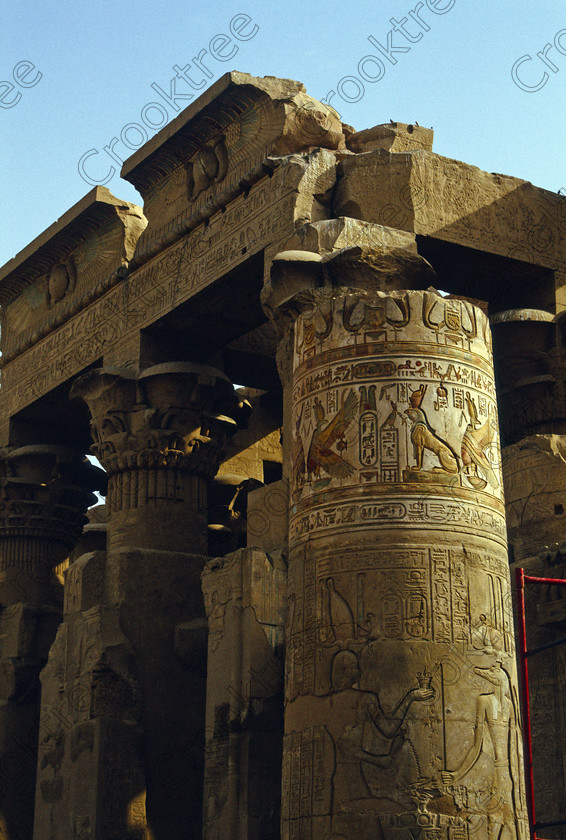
(401, 704)
(121, 729)
(44, 494)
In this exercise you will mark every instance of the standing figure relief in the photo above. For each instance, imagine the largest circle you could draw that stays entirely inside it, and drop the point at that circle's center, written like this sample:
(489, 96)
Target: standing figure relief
(496, 730)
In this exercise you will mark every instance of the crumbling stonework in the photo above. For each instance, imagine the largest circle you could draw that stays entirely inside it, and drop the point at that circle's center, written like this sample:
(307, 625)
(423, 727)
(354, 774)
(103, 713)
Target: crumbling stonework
(292, 617)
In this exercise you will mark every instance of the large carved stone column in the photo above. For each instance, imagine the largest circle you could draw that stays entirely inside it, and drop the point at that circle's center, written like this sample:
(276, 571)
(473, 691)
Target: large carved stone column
(531, 374)
(402, 713)
(44, 494)
(160, 436)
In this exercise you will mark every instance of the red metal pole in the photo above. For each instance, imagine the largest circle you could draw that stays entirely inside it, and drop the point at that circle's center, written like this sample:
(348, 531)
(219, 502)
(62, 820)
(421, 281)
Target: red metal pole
(520, 579)
(553, 581)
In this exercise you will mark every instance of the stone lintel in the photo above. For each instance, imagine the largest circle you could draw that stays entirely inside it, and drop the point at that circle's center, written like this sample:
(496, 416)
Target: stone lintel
(452, 201)
(71, 264)
(331, 235)
(391, 137)
(109, 326)
(233, 94)
(300, 277)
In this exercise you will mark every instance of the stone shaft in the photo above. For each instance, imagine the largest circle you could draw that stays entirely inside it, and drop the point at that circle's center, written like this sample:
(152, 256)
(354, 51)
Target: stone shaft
(244, 597)
(125, 756)
(529, 356)
(534, 473)
(45, 492)
(400, 670)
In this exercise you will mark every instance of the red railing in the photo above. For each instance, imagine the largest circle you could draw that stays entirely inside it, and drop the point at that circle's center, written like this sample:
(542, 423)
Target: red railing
(522, 579)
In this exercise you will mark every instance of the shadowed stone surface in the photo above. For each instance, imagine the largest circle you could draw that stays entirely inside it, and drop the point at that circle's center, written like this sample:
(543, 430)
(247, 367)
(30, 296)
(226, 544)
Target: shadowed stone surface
(297, 624)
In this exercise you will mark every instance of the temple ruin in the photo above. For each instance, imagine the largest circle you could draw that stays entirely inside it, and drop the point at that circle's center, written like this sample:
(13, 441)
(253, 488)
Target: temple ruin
(323, 373)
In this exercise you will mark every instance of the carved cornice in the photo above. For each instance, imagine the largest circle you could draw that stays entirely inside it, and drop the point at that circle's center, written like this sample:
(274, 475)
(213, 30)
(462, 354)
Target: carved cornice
(170, 420)
(63, 313)
(71, 264)
(216, 148)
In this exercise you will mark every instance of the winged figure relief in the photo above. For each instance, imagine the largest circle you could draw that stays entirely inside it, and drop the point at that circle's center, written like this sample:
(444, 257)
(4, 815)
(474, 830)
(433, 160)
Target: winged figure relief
(477, 439)
(323, 453)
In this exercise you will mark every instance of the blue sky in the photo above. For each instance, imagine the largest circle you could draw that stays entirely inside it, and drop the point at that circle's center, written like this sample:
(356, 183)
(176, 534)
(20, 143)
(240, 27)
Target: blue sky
(98, 62)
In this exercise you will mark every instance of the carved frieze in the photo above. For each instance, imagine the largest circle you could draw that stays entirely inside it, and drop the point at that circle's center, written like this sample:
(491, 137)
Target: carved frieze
(221, 149)
(434, 196)
(249, 224)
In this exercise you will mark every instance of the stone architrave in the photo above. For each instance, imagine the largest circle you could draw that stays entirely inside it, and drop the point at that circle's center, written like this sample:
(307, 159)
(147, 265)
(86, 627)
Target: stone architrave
(416, 190)
(130, 764)
(44, 494)
(402, 712)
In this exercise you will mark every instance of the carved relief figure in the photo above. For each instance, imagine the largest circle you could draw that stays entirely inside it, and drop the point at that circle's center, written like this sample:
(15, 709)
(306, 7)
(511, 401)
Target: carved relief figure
(216, 611)
(424, 437)
(477, 438)
(496, 717)
(61, 281)
(358, 743)
(209, 166)
(326, 434)
(485, 637)
(341, 618)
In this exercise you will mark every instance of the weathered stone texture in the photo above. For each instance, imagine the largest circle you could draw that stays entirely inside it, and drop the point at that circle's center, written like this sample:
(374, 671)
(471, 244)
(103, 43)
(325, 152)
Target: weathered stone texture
(244, 597)
(400, 664)
(357, 606)
(45, 492)
(534, 472)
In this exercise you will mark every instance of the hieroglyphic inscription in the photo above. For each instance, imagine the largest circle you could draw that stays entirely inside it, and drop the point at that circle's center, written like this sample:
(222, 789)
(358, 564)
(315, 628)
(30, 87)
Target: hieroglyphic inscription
(438, 512)
(307, 785)
(434, 370)
(442, 615)
(309, 612)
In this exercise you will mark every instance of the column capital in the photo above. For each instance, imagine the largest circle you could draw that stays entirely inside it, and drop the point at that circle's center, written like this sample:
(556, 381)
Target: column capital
(528, 346)
(160, 435)
(45, 491)
(176, 415)
(304, 280)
